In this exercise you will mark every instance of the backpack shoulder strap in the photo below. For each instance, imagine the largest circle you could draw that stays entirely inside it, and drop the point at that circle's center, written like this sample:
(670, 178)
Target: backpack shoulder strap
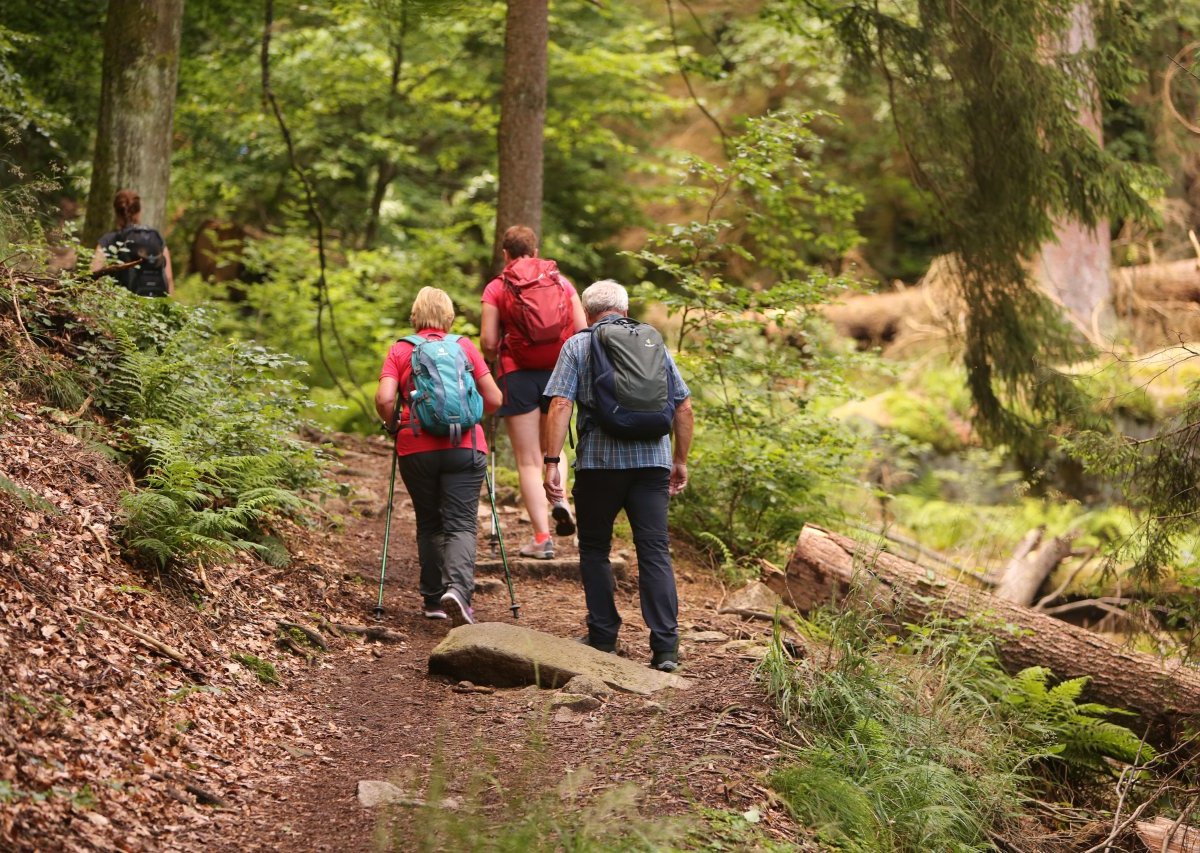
(415, 340)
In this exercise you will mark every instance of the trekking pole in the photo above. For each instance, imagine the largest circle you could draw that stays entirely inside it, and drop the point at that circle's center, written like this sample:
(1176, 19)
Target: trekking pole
(491, 487)
(494, 536)
(387, 529)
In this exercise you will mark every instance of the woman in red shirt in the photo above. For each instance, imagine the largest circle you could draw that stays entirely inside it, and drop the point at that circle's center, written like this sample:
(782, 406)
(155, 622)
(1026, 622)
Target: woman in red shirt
(442, 477)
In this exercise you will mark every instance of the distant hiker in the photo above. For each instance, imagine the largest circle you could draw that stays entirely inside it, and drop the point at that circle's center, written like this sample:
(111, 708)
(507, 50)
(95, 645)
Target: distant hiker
(624, 460)
(135, 255)
(442, 472)
(529, 311)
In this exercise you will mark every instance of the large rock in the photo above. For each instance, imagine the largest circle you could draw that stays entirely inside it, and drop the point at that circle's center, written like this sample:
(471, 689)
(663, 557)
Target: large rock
(511, 656)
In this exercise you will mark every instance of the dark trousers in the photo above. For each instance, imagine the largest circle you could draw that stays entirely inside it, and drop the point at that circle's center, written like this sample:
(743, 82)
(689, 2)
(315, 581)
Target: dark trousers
(444, 487)
(642, 492)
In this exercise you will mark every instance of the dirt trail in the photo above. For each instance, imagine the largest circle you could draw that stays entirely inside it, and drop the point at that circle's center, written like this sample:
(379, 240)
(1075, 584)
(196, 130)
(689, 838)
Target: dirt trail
(371, 711)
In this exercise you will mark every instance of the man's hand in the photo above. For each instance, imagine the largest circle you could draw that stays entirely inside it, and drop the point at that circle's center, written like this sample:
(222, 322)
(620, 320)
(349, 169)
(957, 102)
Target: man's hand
(552, 483)
(679, 478)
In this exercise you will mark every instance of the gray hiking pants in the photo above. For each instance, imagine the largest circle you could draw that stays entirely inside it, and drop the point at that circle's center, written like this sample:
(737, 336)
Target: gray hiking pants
(444, 487)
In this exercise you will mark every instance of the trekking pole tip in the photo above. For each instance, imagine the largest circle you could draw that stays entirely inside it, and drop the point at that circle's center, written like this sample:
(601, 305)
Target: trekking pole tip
(515, 608)
(378, 614)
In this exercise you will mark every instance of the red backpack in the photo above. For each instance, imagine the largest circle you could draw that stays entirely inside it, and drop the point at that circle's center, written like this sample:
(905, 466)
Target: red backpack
(536, 312)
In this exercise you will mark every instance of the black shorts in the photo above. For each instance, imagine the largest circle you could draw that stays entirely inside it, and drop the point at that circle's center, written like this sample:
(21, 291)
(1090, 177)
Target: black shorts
(523, 392)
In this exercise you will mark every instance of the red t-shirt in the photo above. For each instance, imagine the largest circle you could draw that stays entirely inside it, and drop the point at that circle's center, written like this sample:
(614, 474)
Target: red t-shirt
(398, 366)
(493, 294)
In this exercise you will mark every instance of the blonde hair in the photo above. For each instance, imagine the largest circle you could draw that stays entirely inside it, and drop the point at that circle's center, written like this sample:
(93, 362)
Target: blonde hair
(432, 309)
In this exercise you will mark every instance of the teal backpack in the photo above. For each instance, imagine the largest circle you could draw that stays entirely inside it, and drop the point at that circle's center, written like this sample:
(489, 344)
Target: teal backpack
(443, 399)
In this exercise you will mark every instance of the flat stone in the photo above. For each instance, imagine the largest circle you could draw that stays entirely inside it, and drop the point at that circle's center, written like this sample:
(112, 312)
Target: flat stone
(575, 701)
(566, 568)
(748, 649)
(488, 585)
(585, 685)
(372, 793)
(504, 655)
(755, 598)
(705, 637)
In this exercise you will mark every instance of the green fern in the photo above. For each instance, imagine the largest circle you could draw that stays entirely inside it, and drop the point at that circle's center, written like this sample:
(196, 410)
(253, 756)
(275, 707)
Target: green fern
(1072, 731)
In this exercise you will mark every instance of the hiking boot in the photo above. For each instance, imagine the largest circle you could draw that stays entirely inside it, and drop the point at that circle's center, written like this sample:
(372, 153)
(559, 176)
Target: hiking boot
(665, 661)
(544, 551)
(433, 611)
(564, 522)
(611, 648)
(460, 613)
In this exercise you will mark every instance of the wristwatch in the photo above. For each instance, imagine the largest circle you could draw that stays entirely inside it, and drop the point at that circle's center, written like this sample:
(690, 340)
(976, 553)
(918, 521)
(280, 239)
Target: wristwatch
(550, 460)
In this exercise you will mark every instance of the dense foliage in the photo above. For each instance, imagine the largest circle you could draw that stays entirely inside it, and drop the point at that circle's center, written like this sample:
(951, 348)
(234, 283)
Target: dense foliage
(208, 426)
(918, 740)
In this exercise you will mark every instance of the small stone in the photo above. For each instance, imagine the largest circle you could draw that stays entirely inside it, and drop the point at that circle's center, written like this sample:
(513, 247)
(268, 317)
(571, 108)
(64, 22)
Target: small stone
(488, 585)
(586, 685)
(748, 649)
(376, 652)
(575, 701)
(687, 577)
(706, 637)
(465, 685)
(566, 715)
(655, 707)
(373, 793)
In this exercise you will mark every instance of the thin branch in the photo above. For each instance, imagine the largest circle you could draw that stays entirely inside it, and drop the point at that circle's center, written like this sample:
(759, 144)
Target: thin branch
(315, 214)
(687, 80)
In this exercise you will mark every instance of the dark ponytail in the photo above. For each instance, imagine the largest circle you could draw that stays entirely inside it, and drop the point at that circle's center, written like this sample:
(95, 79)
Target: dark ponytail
(128, 206)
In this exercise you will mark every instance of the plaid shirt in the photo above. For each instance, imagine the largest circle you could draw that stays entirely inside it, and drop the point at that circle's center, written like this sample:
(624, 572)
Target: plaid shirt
(572, 379)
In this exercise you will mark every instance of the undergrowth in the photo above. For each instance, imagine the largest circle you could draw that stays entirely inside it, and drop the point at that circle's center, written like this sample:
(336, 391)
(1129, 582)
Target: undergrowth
(918, 740)
(207, 426)
(514, 810)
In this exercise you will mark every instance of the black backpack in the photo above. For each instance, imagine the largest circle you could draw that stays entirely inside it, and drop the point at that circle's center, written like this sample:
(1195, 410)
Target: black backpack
(633, 385)
(147, 278)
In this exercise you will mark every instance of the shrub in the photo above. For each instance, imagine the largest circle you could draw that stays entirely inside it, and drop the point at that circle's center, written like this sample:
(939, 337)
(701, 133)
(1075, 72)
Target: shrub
(920, 741)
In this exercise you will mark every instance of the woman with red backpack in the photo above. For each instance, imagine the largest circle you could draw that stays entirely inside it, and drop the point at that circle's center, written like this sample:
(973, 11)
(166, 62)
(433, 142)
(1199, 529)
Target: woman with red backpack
(529, 311)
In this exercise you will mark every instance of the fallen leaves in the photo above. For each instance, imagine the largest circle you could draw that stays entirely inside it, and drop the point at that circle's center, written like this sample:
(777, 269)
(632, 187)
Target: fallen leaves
(105, 742)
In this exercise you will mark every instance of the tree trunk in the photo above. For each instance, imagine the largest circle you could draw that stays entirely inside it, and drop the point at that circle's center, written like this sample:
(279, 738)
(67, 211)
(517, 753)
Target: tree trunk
(1075, 266)
(522, 117)
(1024, 575)
(824, 565)
(137, 104)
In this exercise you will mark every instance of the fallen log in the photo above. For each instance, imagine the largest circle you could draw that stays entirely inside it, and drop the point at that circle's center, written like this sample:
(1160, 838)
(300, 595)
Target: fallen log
(825, 565)
(1171, 836)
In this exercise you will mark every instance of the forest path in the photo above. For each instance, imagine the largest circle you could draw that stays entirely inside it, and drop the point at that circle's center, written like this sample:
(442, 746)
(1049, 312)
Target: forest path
(372, 711)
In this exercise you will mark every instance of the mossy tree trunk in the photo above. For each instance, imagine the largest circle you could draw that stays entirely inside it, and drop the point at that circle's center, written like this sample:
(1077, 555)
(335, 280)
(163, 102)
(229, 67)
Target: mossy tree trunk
(137, 103)
(522, 118)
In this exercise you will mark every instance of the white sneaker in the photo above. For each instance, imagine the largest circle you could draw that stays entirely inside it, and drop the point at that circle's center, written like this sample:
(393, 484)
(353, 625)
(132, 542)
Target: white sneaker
(457, 609)
(544, 551)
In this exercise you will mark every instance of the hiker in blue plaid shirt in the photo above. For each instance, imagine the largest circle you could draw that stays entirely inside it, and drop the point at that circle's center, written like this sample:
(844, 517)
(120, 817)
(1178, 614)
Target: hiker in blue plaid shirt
(612, 474)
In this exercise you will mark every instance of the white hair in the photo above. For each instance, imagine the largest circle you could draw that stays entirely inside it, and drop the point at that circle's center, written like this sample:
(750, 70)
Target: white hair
(603, 297)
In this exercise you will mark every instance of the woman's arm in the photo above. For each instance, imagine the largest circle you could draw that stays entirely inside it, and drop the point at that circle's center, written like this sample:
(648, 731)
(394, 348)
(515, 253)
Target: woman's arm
(577, 315)
(385, 398)
(168, 274)
(490, 391)
(489, 332)
(99, 261)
